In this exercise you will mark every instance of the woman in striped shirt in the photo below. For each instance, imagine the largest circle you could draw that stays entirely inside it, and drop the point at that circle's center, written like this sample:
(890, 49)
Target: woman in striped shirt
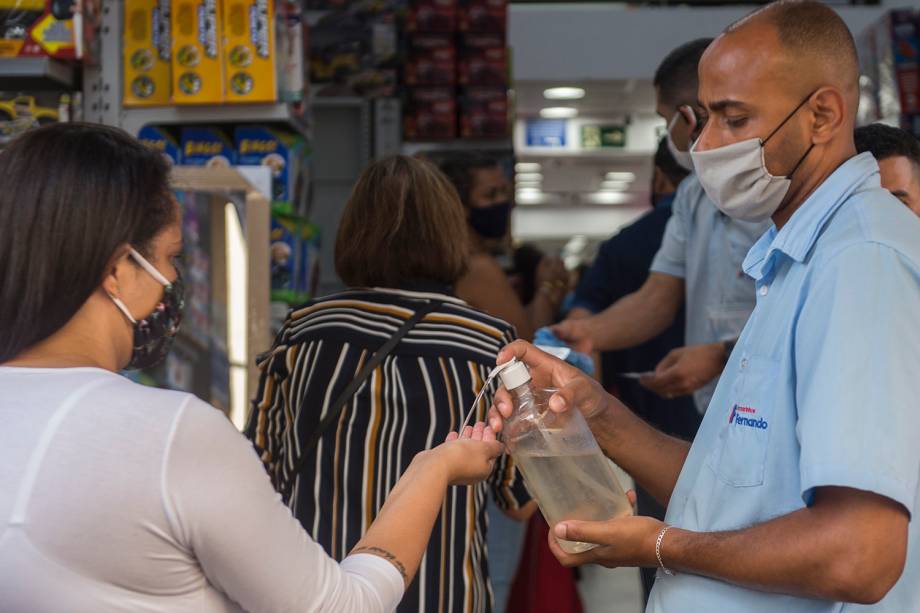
(403, 233)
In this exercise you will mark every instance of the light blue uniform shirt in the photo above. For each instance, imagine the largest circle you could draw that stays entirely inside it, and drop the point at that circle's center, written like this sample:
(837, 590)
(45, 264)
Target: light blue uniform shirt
(821, 389)
(705, 248)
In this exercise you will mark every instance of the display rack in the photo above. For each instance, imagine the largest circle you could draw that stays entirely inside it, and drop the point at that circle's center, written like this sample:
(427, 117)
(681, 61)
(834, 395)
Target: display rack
(102, 89)
(239, 272)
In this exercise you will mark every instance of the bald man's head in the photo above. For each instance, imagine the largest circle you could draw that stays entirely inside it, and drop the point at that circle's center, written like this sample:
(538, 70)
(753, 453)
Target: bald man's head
(818, 46)
(785, 76)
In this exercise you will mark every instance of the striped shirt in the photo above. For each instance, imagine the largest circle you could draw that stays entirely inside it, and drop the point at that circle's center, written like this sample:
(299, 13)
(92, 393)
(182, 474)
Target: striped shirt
(415, 397)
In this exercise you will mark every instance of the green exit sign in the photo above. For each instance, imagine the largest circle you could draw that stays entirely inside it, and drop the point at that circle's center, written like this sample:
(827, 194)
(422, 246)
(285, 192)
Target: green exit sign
(603, 137)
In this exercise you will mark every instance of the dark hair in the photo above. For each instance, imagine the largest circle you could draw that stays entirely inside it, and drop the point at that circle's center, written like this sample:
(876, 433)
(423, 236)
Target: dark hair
(72, 194)
(668, 165)
(459, 168)
(527, 260)
(676, 77)
(403, 223)
(885, 141)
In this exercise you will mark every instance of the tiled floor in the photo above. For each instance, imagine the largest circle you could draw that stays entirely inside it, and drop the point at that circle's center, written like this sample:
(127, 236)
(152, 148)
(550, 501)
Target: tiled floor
(605, 590)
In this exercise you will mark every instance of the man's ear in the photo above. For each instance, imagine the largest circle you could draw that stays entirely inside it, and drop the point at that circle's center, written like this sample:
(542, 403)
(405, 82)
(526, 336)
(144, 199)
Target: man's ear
(828, 107)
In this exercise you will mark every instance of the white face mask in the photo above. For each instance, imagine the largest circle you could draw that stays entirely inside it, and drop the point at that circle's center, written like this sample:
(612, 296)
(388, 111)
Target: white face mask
(682, 158)
(736, 178)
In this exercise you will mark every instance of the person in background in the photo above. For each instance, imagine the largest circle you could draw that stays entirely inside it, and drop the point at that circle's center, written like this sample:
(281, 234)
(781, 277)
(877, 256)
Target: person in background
(698, 265)
(115, 496)
(801, 490)
(620, 268)
(898, 155)
(401, 246)
(485, 192)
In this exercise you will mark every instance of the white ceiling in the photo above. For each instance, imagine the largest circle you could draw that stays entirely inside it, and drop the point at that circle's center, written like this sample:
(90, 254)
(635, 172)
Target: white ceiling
(602, 98)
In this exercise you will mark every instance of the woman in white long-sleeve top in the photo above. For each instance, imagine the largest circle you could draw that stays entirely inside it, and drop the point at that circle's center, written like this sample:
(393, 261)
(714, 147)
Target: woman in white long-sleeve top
(118, 497)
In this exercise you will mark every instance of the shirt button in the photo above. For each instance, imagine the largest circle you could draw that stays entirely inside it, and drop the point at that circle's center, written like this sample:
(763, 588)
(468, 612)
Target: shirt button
(764, 289)
(744, 363)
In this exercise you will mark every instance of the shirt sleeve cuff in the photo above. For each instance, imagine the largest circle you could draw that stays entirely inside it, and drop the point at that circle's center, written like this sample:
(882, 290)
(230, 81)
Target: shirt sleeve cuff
(667, 268)
(379, 575)
(825, 475)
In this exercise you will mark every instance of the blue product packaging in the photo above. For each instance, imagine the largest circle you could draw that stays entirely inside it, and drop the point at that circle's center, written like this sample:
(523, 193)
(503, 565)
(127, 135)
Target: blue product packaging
(205, 146)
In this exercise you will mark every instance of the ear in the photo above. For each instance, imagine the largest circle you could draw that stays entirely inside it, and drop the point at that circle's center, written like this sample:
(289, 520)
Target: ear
(828, 106)
(117, 267)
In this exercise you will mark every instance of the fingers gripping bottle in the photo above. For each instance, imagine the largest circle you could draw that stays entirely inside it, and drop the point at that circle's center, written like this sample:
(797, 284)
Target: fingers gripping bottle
(562, 464)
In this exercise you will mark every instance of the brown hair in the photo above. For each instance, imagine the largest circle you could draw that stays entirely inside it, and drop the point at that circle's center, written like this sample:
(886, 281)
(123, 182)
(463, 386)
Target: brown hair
(404, 222)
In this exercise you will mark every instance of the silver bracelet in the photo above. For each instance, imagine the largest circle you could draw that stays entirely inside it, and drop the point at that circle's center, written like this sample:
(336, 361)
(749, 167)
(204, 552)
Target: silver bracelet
(658, 551)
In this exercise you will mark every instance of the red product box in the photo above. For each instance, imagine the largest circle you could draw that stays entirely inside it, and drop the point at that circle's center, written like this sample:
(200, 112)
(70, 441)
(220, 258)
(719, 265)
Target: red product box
(483, 16)
(36, 27)
(905, 40)
(431, 114)
(432, 16)
(483, 67)
(432, 60)
(484, 113)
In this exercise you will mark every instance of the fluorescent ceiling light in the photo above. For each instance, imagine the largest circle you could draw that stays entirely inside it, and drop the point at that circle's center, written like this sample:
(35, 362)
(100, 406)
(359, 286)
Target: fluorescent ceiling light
(528, 184)
(529, 196)
(529, 190)
(564, 93)
(621, 176)
(559, 112)
(527, 167)
(528, 176)
(607, 198)
(615, 186)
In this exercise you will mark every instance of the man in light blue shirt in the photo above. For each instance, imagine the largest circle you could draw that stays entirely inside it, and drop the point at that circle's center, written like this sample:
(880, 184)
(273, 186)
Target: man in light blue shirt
(799, 491)
(698, 265)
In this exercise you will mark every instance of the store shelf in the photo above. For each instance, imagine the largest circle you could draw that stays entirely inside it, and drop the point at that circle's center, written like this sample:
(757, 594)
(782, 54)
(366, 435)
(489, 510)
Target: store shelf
(412, 148)
(133, 119)
(35, 73)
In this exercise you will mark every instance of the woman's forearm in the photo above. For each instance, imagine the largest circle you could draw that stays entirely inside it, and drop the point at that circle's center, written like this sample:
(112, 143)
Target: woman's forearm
(401, 530)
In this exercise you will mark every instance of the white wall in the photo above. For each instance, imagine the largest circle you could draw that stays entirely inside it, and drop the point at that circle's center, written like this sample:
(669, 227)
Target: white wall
(578, 42)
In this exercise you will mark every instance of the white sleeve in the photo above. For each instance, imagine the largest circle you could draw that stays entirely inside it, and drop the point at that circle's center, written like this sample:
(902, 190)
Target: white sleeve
(222, 507)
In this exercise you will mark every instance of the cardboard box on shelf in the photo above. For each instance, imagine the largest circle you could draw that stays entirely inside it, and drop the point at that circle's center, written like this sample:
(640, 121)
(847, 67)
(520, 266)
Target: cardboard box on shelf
(431, 114)
(146, 49)
(197, 66)
(281, 151)
(207, 146)
(484, 113)
(483, 66)
(249, 51)
(432, 16)
(31, 28)
(162, 140)
(432, 60)
(483, 16)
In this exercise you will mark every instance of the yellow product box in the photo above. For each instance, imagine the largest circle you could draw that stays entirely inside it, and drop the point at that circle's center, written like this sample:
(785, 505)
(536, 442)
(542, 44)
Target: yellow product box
(249, 51)
(197, 69)
(146, 53)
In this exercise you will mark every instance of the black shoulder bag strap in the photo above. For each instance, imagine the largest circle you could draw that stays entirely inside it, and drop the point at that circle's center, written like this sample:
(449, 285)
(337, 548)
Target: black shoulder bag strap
(339, 405)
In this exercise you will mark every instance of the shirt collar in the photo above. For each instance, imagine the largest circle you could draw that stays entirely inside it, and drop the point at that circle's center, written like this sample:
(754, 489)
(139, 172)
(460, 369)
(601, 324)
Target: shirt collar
(797, 237)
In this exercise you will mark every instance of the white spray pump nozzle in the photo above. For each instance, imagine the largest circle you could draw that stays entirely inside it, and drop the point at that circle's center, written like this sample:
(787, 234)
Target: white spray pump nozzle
(513, 373)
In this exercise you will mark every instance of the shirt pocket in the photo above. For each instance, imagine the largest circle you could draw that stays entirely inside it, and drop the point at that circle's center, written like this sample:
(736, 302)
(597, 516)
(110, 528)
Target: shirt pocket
(739, 455)
(727, 322)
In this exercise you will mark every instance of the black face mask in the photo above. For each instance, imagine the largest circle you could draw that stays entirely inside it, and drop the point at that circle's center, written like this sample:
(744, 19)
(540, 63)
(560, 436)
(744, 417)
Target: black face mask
(491, 221)
(154, 334)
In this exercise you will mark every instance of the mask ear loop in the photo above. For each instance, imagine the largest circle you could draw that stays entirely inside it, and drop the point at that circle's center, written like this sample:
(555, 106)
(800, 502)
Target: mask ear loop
(153, 272)
(123, 308)
(788, 117)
